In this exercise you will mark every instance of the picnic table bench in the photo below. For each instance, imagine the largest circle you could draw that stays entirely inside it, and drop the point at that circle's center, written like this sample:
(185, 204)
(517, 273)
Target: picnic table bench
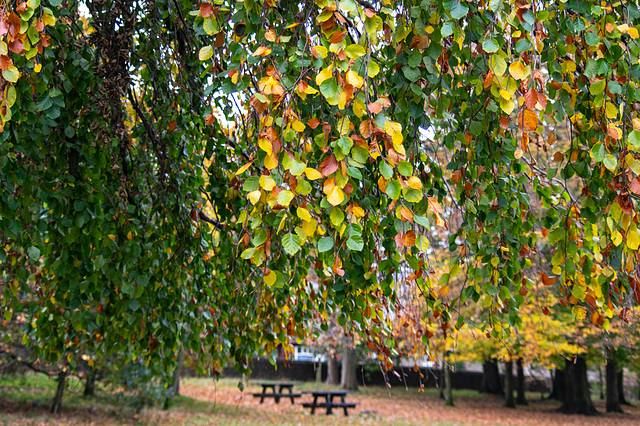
(328, 403)
(276, 393)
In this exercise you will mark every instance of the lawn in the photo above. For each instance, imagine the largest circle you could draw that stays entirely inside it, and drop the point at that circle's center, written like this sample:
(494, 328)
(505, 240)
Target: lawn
(25, 400)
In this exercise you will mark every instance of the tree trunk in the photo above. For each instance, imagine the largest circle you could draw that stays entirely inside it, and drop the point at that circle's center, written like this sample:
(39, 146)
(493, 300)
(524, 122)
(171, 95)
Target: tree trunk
(448, 394)
(601, 377)
(613, 401)
(349, 365)
(577, 398)
(491, 378)
(441, 378)
(557, 386)
(56, 405)
(521, 398)
(332, 369)
(621, 398)
(508, 385)
(177, 373)
(90, 384)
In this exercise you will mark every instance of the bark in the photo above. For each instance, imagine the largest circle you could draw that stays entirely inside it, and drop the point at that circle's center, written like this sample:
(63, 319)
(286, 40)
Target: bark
(448, 394)
(441, 378)
(349, 365)
(558, 385)
(56, 405)
(90, 384)
(491, 378)
(613, 401)
(621, 398)
(577, 398)
(601, 378)
(332, 369)
(175, 380)
(521, 399)
(509, 401)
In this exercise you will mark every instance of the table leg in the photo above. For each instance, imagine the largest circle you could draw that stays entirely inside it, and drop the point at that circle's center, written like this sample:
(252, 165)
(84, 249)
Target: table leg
(264, 391)
(346, 413)
(313, 407)
(291, 395)
(329, 404)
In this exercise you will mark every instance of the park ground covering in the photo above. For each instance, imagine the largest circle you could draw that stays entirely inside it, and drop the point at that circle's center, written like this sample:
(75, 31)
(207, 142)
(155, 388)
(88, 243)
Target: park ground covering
(24, 401)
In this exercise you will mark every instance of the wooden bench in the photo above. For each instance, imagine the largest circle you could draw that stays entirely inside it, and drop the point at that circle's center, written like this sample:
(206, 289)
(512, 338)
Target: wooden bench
(276, 395)
(328, 403)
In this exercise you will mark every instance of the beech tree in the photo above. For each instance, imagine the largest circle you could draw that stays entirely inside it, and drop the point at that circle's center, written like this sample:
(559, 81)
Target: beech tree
(172, 170)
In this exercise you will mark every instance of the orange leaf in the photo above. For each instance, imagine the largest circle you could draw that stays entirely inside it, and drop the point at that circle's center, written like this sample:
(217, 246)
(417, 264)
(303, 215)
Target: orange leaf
(410, 239)
(313, 123)
(206, 10)
(172, 125)
(546, 280)
(528, 119)
(504, 122)
(374, 107)
(530, 98)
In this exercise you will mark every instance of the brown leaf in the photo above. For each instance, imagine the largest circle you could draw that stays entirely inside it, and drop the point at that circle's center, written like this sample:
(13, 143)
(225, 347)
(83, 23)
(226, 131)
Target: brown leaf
(410, 239)
(206, 10)
(546, 280)
(530, 98)
(5, 62)
(634, 186)
(399, 238)
(374, 108)
(313, 123)
(504, 122)
(558, 156)
(172, 125)
(457, 176)
(329, 166)
(419, 42)
(16, 46)
(338, 36)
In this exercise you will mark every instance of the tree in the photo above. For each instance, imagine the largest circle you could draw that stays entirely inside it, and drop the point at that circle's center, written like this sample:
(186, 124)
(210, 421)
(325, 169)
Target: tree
(176, 193)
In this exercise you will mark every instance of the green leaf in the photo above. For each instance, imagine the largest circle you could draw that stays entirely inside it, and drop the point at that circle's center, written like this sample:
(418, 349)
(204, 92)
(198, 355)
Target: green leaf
(597, 87)
(386, 170)
(291, 243)
(11, 74)
(405, 168)
(393, 190)
(634, 139)
(325, 244)
(455, 8)
(421, 220)
(336, 216)
(329, 89)
(34, 253)
(490, 45)
(598, 152)
(205, 53)
(610, 162)
(134, 305)
(592, 39)
(355, 243)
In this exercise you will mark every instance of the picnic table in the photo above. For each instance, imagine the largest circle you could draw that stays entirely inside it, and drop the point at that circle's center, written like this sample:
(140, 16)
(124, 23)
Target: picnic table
(276, 392)
(329, 403)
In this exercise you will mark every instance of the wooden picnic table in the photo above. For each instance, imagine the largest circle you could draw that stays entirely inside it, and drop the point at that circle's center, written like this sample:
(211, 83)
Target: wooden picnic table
(328, 403)
(276, 392)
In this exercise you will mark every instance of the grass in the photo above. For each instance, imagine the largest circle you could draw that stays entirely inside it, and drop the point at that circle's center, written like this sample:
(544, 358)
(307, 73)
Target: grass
(25, 400)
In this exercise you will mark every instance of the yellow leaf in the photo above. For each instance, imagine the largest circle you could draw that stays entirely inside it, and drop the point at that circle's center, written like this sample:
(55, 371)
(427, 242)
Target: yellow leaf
(498, 65)
(265, 145)
(611, 111)
(309, 228)
(254, 196)
(394, 130)
(357, 211)
(37, 68)
(633, 240)
(616, 237)
(517, 70)
(336, 196)
(271, 162)
(205, 53)
(303, 214)
(312, 174)
(262, 51)
(415, 182)
(48, 19)
(507, 105)
(270, 278)
(321, 50)
(90, 362)
(244, 168)
(129, 235)
(505, 95)
(112, 237)
(633, 33)
(267, 182)
(298, 126)
(444, 291)
(354, 79)
(323, 75)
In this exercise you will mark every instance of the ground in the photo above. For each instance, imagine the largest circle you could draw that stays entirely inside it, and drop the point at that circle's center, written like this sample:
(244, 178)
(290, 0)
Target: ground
(24, 400)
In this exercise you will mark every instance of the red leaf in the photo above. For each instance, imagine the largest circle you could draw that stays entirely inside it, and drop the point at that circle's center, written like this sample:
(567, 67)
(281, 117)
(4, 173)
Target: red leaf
(206, 10)
(16, 46)
(329, 166)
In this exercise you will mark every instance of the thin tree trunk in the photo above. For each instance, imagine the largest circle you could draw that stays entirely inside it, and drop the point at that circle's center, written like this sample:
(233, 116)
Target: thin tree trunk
(349, 365)
(601, 377)
(90, 384)
(175, 380)
(621, 398)
(332, 369)
(558, 385)
(521, 399)
(491, 378)
(508, 385)
(577, 398)
(613, 400)
(442, 384)
(56, 405)
(448, 393)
